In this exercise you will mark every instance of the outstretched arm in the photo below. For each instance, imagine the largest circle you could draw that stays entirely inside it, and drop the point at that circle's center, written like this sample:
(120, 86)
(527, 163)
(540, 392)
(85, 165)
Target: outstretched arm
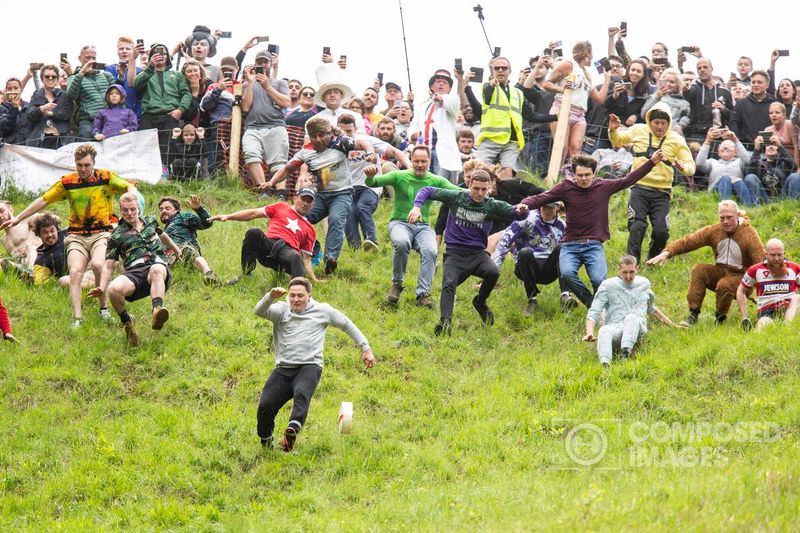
(244, 215)
(167, 241)
(339, 320)
(664, 319)
(36, 206)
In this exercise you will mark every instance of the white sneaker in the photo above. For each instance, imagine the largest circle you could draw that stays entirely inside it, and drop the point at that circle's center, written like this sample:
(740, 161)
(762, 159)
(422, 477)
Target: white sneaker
(77, 323)
(105, 314)
(370, 246)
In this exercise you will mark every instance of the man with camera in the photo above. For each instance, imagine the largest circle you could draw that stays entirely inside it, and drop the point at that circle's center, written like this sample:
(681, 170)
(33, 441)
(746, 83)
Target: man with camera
(770, 173)
(87, 88)
(435, 124)
(165, 96)
(218, 103)
(501, 139)
(265, 137)
(707, 100)
(751, 114)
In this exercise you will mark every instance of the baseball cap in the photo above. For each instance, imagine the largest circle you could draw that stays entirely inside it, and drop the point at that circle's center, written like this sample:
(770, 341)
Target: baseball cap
(393, 85)
(265, 54)
(307, 191)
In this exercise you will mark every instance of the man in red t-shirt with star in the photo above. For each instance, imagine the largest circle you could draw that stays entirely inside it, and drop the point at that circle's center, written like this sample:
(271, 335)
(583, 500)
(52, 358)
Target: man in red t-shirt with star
(288, 243)
(776, 281)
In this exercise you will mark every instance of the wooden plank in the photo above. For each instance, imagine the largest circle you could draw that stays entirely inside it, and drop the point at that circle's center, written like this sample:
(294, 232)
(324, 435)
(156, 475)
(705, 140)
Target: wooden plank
(236, 132)
(560, 138)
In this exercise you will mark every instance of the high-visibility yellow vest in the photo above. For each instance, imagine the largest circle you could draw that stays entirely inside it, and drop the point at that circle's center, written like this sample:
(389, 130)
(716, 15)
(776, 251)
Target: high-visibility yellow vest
(500, 115)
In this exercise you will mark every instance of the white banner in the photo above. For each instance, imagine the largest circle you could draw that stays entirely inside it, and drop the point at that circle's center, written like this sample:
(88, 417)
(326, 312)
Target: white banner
(133, 156)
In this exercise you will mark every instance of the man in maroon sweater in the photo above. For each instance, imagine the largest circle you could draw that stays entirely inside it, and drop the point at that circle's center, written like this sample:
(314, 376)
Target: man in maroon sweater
(586, 201)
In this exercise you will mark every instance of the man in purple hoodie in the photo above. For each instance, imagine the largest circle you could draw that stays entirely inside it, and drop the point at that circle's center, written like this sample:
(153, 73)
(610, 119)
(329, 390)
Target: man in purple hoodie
(586, 201)
(468, 225)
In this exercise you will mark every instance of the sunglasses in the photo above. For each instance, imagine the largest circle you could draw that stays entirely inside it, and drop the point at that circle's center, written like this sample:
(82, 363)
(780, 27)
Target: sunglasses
(501, 68)
(50, 77)
(310, 95)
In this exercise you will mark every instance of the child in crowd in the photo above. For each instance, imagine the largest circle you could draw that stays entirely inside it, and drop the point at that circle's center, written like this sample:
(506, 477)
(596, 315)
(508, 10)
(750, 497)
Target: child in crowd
(726, 174)
(186, 151)
(611, 163)
(116, 119)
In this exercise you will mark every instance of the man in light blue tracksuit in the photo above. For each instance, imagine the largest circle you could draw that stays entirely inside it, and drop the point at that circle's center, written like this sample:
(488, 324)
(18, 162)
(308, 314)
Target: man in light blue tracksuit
(627, 300)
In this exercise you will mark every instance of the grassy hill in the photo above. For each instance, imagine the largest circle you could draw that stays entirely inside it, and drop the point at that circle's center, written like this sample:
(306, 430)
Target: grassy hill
(698, 433)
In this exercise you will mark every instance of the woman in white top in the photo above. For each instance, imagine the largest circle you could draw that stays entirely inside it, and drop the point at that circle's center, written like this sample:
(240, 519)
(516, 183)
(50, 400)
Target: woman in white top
(582, 90)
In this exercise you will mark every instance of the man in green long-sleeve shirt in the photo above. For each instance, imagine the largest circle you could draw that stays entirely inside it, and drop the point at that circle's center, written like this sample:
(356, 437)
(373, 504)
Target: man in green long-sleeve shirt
(88, 88)
(406, 236)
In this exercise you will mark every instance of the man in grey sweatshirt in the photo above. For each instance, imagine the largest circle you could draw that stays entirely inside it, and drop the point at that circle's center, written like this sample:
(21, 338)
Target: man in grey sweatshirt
(627, 300)
(298, 338)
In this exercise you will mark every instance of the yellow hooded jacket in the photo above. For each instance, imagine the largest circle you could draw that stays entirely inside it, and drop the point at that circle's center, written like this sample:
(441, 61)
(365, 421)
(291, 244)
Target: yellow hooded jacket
(642, 138)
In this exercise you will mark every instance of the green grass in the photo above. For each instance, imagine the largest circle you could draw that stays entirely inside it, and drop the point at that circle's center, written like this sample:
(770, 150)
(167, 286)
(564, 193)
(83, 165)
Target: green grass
(460, 433)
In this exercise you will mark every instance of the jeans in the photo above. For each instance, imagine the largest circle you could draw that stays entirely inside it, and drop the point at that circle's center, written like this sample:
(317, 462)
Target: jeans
(452, 175)
(365, 202)
(588, 253)
(536, 153)
(419, 237)
(596, 144)
(790, 188)
(336, 206)
(724, 186)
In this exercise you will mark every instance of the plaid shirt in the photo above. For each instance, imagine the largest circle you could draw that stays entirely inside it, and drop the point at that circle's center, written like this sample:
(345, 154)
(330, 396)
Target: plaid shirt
(136, 247)
(182, 227)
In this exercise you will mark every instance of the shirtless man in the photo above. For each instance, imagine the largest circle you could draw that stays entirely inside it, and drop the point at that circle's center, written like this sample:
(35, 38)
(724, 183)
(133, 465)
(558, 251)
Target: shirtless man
(19, 241)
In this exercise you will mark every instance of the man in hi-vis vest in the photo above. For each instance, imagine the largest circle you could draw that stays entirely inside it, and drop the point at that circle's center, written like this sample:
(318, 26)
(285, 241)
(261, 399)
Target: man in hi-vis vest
(500, 140)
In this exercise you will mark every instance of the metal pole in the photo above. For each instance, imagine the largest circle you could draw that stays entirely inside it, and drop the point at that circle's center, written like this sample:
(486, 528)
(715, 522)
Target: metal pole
(405, 47)
(479, 10)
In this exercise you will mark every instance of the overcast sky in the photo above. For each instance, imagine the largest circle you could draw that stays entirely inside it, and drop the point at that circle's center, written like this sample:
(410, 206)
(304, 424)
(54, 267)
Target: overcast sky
(370, 33)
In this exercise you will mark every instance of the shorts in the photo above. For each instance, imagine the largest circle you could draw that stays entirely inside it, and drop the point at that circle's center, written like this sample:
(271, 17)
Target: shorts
(774, 312)
(189, 252)
(86, 243)
(491, 152)
(138, 275)
(577, 115)
(270, 145)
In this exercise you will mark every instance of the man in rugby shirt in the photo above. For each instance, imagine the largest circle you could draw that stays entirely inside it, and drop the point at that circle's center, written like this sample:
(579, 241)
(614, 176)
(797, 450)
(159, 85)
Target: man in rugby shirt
(182, 228)
(775, 280)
